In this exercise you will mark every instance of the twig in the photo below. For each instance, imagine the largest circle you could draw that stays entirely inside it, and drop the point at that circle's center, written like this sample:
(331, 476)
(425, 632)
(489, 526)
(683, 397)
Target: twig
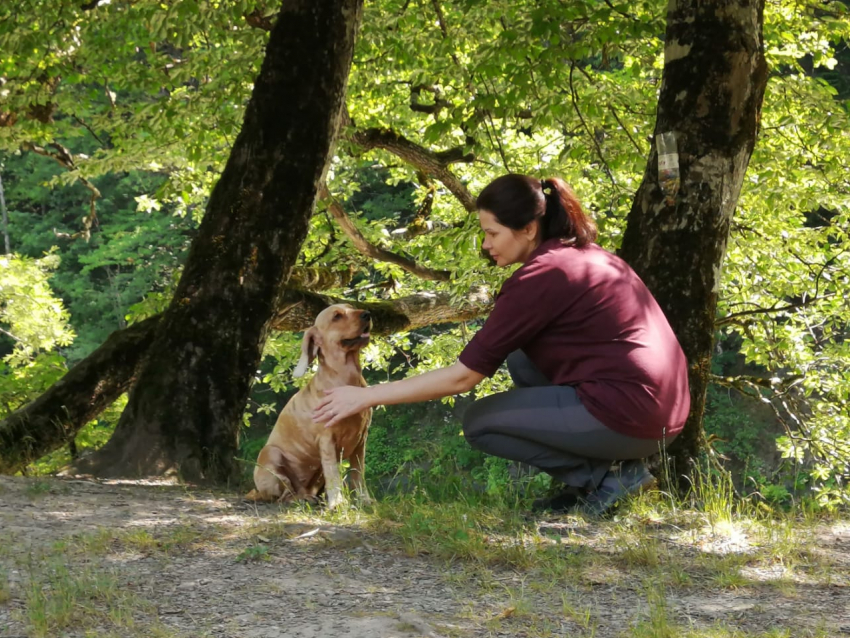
(773, 309)
(590, 134)
(625, 130)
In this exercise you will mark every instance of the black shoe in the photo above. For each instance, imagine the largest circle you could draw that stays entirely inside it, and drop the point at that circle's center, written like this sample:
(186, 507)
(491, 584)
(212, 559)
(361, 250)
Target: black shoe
(632, 478)
(562, 500)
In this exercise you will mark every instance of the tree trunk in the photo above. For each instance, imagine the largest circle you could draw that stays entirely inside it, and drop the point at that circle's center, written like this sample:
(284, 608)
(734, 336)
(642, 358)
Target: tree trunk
(184, 412)
(711, 96)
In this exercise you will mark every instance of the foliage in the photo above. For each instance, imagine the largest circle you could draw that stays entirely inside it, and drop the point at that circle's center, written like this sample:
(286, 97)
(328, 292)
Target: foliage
(36, 320)
(35, 326)
(130, 254)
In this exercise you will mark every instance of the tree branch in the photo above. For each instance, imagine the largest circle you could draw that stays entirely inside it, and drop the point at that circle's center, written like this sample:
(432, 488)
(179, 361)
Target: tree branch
(625, 130)
(65, 158)
(782, 393)
(590, 134)
(370, 250)
(731, 318)
(319, 278)
(396, 315)
(258, 20)
(429, 162)
(444, 27)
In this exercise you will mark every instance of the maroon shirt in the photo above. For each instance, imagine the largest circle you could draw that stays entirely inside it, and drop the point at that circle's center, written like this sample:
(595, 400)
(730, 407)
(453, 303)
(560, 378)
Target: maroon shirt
(585, 319)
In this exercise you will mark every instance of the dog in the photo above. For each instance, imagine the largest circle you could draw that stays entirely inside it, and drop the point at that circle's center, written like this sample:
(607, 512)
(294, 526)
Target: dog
(301, 457)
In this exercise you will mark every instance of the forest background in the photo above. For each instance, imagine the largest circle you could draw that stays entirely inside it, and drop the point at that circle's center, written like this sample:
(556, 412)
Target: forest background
(106, 183)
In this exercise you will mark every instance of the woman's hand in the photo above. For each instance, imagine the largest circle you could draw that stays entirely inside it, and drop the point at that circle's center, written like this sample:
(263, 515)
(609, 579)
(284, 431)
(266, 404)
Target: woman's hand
(340, 403)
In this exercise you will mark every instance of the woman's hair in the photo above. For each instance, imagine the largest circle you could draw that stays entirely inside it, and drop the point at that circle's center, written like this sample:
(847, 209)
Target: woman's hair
(516, 200)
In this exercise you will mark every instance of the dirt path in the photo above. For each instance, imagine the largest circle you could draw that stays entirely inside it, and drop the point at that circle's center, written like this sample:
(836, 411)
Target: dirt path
(162, 561)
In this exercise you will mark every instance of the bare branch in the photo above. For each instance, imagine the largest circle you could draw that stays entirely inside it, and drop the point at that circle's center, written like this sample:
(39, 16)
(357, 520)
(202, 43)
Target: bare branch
(590, 134)
(299, 310)
(782, 392)
(258, 20)
(622, 13)
(731, 318)
(433, 109)
(319, 278)
(625, 130)
(65, 158)
(444, 27)
(370, 250)
(429, 162)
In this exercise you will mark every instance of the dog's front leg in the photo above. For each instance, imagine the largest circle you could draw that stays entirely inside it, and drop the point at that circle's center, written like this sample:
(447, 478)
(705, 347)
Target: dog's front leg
(356, 473)
(330, 468)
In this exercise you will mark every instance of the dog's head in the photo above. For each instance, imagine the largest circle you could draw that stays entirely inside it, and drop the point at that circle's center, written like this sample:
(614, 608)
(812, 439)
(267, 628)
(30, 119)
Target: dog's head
(339, 329)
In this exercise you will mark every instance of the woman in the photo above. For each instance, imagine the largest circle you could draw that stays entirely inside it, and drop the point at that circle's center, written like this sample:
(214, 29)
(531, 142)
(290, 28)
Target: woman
(600, 375)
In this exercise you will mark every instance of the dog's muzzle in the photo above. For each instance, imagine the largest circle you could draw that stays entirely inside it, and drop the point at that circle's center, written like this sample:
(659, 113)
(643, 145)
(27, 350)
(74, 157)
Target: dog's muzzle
(363, 338)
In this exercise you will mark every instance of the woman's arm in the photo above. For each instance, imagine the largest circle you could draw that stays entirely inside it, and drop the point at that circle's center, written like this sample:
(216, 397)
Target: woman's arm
(347, 400)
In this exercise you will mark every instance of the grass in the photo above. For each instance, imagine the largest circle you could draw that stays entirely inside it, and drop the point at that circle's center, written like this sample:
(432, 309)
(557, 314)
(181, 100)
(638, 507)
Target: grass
(37, 488)
(59, 598)
(253, 553)
(5, 592)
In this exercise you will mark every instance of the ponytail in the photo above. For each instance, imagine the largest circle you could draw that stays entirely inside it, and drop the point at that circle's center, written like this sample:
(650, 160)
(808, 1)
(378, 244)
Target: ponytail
(563, 216)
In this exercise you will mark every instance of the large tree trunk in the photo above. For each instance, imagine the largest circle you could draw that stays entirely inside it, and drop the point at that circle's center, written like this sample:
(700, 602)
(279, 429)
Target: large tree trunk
(184, 411)
(711, 96)
(55, 417)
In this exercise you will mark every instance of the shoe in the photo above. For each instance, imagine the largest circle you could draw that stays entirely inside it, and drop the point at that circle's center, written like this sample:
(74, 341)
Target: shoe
(562, 499)
(632, 478)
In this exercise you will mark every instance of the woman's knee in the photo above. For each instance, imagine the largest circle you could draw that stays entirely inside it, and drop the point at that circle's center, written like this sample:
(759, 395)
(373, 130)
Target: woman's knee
(474, 420)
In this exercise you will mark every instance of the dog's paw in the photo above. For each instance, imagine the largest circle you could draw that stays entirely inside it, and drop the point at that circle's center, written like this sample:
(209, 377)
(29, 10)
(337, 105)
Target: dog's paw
(255, 496)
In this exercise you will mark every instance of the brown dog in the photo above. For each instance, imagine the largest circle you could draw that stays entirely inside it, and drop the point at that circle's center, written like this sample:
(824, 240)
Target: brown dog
(301, 457)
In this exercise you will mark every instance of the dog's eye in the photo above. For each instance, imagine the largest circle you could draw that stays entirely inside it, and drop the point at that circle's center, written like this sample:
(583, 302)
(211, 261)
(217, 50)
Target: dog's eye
(337, 315)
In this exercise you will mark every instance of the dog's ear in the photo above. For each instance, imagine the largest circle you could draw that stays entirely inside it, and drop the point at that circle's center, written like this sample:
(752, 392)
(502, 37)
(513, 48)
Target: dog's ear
(309, 349)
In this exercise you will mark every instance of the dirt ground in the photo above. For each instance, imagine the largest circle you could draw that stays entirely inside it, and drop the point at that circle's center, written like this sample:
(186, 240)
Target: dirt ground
(202, 564)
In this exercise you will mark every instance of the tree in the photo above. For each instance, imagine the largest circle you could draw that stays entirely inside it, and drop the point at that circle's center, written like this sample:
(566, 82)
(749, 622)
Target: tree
(184, 411)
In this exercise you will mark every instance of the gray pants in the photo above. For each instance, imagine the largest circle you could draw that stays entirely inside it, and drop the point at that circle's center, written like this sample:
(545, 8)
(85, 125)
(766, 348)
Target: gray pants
(546, 426)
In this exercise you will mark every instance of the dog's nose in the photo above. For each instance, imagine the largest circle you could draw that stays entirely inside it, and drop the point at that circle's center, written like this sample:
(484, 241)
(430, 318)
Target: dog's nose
(366, 315)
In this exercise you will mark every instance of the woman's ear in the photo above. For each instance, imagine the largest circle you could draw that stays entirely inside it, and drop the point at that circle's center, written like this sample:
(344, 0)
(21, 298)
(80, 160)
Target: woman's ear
(531, 230)
(309, 350)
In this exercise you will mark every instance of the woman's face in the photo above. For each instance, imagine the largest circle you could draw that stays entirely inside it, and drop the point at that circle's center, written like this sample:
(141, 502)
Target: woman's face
(506, 245)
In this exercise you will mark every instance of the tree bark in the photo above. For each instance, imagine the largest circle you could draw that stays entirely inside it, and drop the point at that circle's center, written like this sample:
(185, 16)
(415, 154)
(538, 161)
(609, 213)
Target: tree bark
(55, 417)
(711, 95)
(184, 412)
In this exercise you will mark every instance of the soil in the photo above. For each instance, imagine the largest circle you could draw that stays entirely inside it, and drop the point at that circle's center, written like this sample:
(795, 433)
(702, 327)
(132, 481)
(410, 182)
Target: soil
(205, 565)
